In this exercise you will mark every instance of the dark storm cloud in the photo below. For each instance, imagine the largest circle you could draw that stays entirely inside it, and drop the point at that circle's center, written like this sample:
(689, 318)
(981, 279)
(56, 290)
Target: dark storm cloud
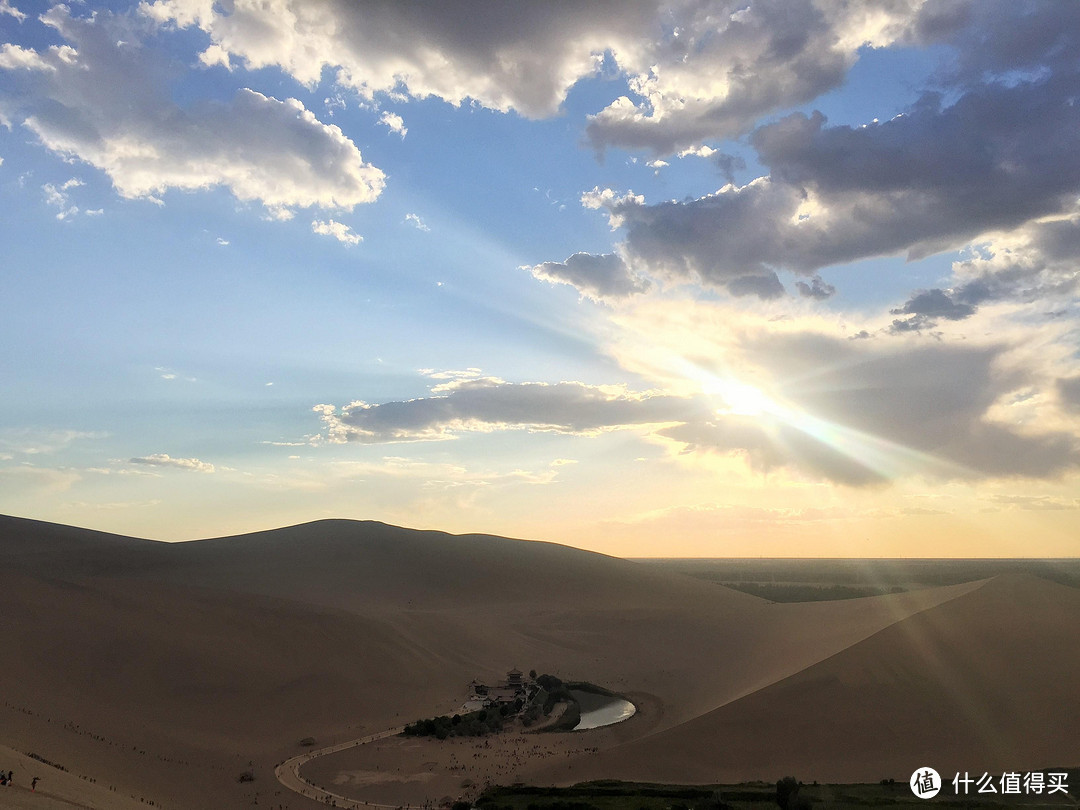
(993, 37)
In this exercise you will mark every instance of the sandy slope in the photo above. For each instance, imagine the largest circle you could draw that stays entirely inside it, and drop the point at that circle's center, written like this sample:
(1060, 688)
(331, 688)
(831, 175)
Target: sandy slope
(169, 669)
(985, 682)
(56, 789)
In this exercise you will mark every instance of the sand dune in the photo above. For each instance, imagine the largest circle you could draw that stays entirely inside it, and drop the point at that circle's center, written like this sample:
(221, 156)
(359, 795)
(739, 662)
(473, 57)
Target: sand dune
(56, 789)
(986, 682)
(172, 668)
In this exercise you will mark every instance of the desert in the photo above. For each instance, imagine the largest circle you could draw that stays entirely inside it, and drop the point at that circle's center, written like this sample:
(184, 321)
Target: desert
(165, 672)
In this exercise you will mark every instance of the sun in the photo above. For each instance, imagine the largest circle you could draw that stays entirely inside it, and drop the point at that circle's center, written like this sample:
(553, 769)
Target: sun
(740, 398)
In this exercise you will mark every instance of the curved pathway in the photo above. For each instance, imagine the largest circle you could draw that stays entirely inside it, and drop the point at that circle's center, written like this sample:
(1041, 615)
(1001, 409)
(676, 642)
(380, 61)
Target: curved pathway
(288, 773)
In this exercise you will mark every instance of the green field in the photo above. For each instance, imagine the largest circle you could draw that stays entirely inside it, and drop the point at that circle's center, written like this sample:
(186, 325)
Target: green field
(811, 580)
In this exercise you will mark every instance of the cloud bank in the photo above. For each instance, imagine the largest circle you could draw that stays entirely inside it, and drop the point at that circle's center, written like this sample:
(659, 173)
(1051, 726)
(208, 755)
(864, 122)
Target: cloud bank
(487, 404)
(933, 179)
(165, 460)
(693, 71)
(105, 100)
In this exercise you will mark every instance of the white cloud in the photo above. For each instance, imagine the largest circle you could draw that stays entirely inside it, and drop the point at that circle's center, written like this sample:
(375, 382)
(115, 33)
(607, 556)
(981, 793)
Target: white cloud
(421, 478)
(334, 104)
(171, 374)
(394, 123)
(165, 460)
(215, 55)
(111, 506)
(31, 441)
(1035, 502)
(7, 8)
(417, 222)
(279, 213)
(110, 106)
(338, 230)
(58, 197)
(222, 242)
(54, 196)
(701, 151)
(616, 206)
(15, 57)
(38, 479)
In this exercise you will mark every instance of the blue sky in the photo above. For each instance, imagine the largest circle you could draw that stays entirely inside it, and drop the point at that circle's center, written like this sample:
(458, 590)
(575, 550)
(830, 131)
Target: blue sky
(652, 278)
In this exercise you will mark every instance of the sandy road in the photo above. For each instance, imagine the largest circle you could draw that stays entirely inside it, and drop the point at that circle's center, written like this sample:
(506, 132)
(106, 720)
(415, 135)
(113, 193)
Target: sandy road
(288, 772)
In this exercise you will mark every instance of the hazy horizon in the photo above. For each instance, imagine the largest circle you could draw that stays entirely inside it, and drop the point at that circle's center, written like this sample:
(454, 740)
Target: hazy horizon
(648, 559)
(731, 280)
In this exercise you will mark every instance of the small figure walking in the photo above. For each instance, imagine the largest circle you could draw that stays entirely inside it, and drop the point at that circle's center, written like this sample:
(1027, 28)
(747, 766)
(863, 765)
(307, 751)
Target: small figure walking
(33, 784)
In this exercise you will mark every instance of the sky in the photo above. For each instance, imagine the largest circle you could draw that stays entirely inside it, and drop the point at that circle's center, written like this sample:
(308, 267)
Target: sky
(709, 279)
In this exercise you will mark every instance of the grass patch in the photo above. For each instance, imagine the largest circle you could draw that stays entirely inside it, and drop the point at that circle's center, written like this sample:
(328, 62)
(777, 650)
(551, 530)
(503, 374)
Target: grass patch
(798, 592)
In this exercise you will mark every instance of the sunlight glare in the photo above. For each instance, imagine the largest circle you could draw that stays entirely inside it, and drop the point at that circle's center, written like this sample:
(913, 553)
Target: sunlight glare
(740, 398)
